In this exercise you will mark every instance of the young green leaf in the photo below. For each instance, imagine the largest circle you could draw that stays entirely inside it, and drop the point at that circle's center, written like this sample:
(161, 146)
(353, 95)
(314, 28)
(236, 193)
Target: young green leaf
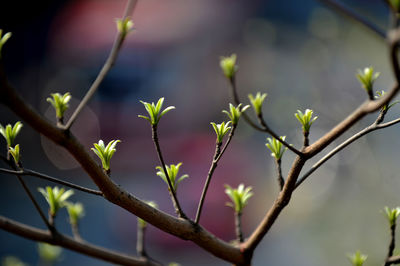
(172, 172)
(306, 119)
(15, 153)
(386, 107)
(10, 133)
(49, 253)
(60, 103)
(257, 102)
(239, 197)
(105, 153)
(154, 111)
(3, 39)
(367, 78)
(228, 65)
(56, 198)
(221, 130)
(75, 212)
(392, 214)
(234, 113)
(276, 147)
(357, 259)
(124, 26)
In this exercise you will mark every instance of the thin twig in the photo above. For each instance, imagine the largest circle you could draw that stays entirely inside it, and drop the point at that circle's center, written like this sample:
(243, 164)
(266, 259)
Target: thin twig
(37, 207)
(392, 243)
(343, 145)
(75, 232)
(238, 227)
(36, 234)
(340, 8)
(281, 181)
(264, 127)
(217, 156)
(140, 243)
(105, 69)
(175, 201)
(52, 179)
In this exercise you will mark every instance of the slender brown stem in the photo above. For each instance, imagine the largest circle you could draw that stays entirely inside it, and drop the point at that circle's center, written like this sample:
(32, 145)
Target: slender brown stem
(105, 69)
(281, 181)
(217, 156)
(238, 227)
(172, 192)
(52, 179)
(392, 242)
(264, 127)
(393, 260)
(340, 8)
(181, 228)
(75, 232)
(140, 244)
(306, 140)
(49, 225)
(344, 144)
(36, 234)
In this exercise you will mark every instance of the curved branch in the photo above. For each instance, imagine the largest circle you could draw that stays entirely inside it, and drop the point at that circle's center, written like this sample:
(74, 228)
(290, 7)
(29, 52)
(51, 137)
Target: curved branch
(365, 108)
(340, 8)
(343, 145)
(181, 228)
(36, 234)
(104, 70)
(52, 179)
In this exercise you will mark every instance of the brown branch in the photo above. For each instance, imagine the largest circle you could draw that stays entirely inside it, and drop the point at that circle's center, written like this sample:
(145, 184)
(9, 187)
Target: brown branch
(238, 227)
(392, 243)
(393, 260)
(280, 203)
(340, 8)
(36, 234)
(343, 145)
(52, 179)
(365, 108)
(171, 190)
(280, 179)
(179, 227)
(105, 69)
(217, 156)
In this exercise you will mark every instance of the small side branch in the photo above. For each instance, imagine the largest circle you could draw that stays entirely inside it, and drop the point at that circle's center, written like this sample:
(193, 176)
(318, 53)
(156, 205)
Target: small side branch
(344, 144)
(281, 181)
(392, 243)
(52, 179)
(175, 201)
(140, 244)
(36, 234)
(217, 156)
(340, 8)
(238, 227)
(105, 69)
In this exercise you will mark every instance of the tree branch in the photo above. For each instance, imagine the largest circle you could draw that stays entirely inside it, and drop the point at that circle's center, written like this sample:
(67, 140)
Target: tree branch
(105, 69)
(36, 234)
(343, 145)
(52, 179)
(342, 9)
(217, 156)
(172, 192)
(112, 192)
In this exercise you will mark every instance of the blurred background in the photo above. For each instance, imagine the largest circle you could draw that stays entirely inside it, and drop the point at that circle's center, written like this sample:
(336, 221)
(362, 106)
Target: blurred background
(299, 52)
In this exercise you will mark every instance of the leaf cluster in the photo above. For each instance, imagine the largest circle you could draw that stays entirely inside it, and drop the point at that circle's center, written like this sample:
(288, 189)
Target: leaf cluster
(172, 172)
(60, 103)
(257, 102)
(154, 111)
(234, 113)
(239, 197)
(56, 198)
(105, 153)
(306, 119)
(276, 147)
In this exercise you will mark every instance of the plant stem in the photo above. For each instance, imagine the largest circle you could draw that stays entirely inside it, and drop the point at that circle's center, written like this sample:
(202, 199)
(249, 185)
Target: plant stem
(391, 244)
(52, 179)
(306, 140)
(175, 201)
(105, 69)
(238, 227)
(281, 181)
(75, 231)
(140, 244)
